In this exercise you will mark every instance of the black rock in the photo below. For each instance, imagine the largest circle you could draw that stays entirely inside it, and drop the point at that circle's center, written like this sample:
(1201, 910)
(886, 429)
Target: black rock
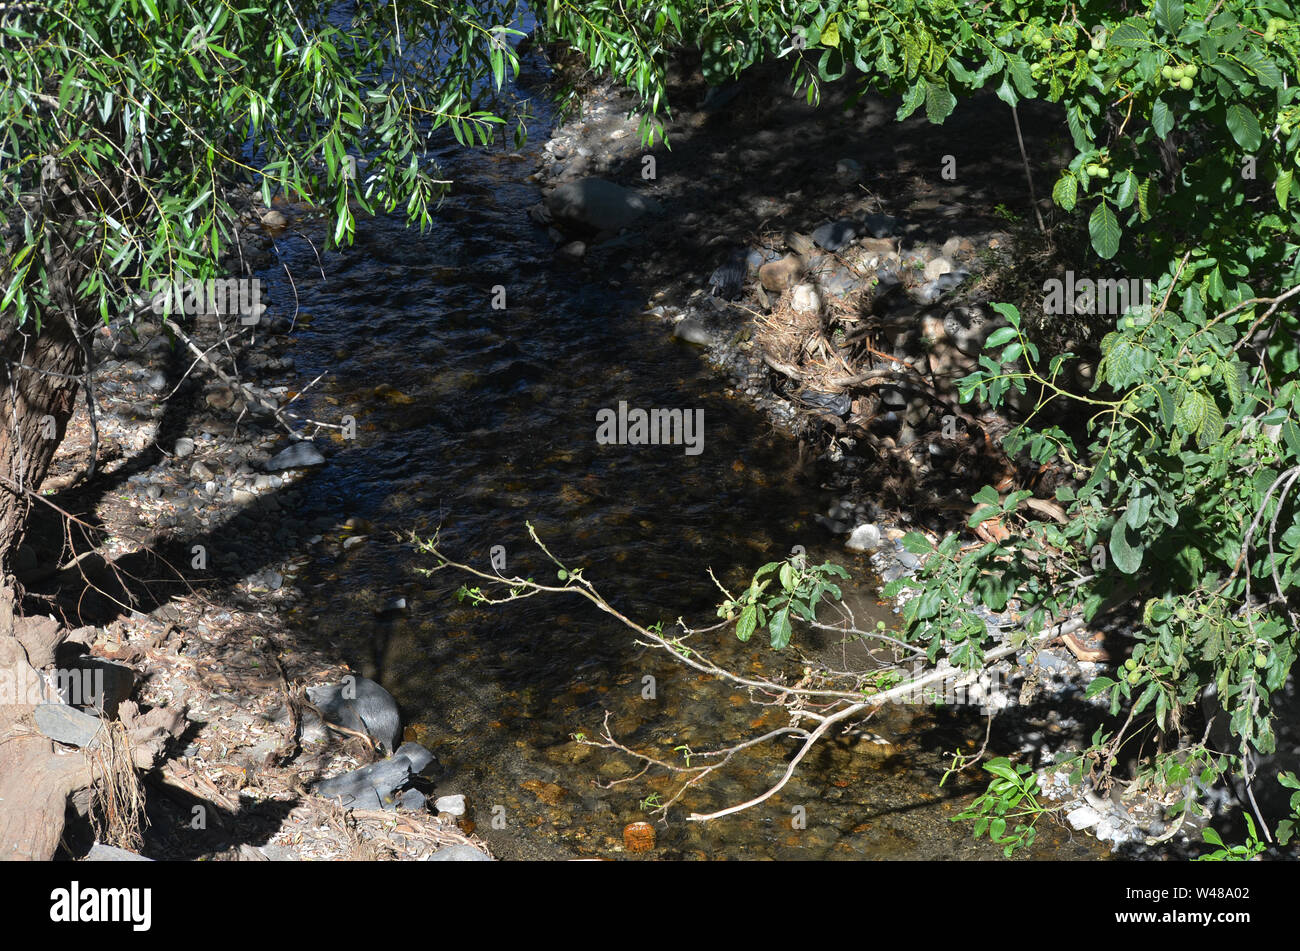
(836, 234)
(880, 226)
(360, 704)
(728, 280)
(837, 404)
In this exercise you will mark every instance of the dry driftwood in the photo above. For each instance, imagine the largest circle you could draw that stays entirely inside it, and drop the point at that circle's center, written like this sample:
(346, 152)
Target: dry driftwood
(38, 776)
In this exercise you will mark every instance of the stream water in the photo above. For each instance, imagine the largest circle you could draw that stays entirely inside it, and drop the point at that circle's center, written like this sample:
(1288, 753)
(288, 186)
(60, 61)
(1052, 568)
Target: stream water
(490, 423)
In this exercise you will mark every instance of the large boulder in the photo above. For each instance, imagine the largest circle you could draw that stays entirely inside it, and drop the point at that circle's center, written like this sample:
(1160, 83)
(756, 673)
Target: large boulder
(362, 705)
(599, 205)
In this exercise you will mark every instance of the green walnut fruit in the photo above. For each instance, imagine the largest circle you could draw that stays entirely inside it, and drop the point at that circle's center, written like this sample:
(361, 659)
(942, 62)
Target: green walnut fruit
(1093, 55)
(1190, 71)
(1092, 168)
(1103, 172)
(1183, 614)
(1186, 83)
(1131, 664)
(1260, 659)
(1126, 323)
(1167, 71)
(1134, 676)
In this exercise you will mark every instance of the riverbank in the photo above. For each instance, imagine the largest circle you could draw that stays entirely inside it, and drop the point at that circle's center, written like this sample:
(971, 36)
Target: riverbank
(181, 563)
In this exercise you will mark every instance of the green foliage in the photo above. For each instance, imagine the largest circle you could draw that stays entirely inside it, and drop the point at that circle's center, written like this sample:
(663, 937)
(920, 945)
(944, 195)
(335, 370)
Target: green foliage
(1235, 853)
(1012, 797)
(1254, 845)
(801, 588)
(140, 113)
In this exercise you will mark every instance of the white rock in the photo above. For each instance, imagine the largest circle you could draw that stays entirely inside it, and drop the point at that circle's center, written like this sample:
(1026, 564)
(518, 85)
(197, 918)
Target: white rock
(805, 299)
(1082, 818)
(863, 538)
(454, 805)
(938, 266)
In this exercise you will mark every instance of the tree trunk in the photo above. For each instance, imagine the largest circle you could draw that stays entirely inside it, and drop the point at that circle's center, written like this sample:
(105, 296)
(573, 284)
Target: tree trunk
(38, 389)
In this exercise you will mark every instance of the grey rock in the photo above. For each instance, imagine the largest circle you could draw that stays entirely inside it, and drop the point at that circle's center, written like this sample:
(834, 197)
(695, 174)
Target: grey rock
(833, 525)
(599, 205)
(893, 396)
(157, 381)
(931, 291)
(360, 704)
(835, 234)
(412, 800)
(573, 251)
(65, 724)
(300, 455)
(459, 853)
(267, 580)
(692, 330)
(184, 447)
(1048, 661)
(108, 853)
(848, 171)
(840, 281)
(936, 268)
(908, 560)
(370, 787)
(199, 472)
(880, 226)
(393, 606)
(420, 758)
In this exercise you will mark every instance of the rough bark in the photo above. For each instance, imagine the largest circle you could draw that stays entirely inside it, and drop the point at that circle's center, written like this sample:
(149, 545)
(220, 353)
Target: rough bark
(38, 389)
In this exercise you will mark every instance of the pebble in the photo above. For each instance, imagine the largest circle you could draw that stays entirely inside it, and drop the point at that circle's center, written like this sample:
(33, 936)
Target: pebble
(835, 234)
(692, 330)
(300, 455)
(908, 560)
(184, 447)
